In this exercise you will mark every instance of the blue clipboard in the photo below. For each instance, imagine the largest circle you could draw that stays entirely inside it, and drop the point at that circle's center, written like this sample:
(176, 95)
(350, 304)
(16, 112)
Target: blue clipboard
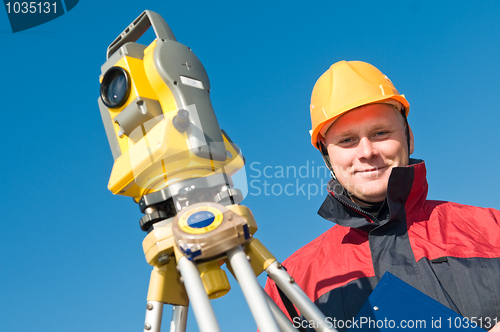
(394, 304)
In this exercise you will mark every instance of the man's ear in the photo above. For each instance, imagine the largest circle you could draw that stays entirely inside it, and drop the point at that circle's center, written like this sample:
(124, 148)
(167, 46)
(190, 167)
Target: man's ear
(412, 142)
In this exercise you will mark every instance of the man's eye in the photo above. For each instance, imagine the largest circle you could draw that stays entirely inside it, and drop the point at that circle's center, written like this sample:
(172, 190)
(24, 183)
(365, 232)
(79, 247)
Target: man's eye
(346, 141)
(381, 133)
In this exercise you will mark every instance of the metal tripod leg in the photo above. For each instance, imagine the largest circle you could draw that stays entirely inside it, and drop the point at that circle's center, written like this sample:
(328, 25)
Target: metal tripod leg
(153, 316)
(282, 320)
(298, 297)
(179, 318)
(203, 312)
(252, 291)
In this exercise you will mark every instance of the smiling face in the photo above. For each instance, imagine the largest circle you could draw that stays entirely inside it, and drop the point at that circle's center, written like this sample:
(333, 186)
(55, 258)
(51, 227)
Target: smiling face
(364, 145)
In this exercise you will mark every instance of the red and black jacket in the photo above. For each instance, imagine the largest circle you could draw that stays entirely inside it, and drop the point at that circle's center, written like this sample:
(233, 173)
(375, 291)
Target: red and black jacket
(449, 251)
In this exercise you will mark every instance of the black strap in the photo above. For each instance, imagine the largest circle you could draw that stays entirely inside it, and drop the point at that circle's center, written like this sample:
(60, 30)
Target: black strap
(290, 308)
(326, 158)
(407, 130)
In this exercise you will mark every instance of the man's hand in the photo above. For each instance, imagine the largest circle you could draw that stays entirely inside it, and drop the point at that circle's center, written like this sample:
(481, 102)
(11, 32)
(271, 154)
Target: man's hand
(496, 328)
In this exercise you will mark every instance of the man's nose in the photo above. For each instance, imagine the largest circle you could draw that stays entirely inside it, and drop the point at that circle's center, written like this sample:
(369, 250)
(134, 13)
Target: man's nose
(365, 148)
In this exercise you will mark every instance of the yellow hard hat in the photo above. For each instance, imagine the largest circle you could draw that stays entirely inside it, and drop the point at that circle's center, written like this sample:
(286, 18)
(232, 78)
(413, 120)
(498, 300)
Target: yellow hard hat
(347, 85)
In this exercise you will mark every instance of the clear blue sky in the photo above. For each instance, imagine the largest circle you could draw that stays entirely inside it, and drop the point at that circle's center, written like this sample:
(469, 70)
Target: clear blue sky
(71, 253)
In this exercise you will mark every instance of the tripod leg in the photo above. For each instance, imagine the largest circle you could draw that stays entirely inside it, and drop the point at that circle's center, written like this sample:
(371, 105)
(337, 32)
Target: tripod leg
(252, 290)
(203, 312)
(282, 320)
(306, 307)
(153, 316)
(179, 318)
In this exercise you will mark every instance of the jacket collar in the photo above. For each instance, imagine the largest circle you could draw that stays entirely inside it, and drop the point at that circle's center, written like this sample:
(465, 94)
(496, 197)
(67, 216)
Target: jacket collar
(406, 192)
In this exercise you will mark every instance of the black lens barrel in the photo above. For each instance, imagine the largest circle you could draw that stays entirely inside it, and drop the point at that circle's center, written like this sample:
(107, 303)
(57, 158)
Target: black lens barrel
(115, 87)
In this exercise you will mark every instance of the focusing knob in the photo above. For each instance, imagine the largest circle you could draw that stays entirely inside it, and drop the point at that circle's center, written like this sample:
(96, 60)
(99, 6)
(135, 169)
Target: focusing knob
(181, 120)
(150, 218)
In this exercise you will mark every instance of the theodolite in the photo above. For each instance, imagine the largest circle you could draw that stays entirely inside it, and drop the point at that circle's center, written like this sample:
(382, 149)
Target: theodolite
(172, 158)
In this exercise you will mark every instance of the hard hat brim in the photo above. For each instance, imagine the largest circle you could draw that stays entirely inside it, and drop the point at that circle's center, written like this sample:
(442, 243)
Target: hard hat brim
(318, 129)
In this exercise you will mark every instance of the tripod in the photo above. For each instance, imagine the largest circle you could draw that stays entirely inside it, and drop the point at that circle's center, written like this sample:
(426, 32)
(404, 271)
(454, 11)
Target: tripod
(172, 157)
(190, 248)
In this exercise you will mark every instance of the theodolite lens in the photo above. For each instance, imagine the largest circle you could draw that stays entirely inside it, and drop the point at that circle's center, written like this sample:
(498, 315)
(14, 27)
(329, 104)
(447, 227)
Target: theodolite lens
(115, 87)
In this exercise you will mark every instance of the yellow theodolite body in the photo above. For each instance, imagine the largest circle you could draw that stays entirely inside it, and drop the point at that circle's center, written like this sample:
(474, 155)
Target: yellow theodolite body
(143, 91)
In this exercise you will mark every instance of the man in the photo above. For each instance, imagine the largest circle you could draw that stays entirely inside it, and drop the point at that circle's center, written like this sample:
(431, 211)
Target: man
(377, 198)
